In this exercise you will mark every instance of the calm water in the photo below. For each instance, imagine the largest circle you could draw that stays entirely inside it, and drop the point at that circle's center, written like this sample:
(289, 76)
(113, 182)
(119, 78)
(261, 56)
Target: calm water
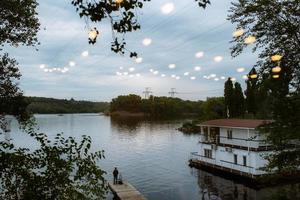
(150, 155)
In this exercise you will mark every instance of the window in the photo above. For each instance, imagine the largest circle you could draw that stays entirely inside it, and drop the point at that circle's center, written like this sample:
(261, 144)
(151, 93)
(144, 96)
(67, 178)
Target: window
(207, 153)
(245, 160)
(229, 134)
(235, 158)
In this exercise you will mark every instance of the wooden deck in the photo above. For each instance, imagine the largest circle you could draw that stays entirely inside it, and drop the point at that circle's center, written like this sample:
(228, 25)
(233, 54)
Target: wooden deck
(126, 191)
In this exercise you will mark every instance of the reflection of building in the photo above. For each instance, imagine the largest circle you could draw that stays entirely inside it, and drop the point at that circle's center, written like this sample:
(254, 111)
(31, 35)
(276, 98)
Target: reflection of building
(215, 187)
(232, 145)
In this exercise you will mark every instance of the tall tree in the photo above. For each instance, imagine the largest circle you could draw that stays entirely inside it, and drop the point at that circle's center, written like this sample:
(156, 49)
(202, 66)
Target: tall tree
(275, 24)
(229, 98)
(251, 97)
(59, 169)
(239, 101)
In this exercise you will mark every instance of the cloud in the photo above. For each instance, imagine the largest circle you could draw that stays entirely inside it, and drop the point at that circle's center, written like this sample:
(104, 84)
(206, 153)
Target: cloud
(175, 39)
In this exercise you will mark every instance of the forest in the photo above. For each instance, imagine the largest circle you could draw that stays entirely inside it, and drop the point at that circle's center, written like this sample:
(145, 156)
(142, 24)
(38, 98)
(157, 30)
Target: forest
(42, 105)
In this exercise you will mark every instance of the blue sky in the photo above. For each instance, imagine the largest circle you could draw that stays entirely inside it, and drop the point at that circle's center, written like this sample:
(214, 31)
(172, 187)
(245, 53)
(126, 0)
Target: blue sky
(176, 38)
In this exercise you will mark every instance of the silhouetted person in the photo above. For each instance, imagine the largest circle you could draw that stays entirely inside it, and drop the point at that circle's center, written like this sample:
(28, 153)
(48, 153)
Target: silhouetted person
(115, 173)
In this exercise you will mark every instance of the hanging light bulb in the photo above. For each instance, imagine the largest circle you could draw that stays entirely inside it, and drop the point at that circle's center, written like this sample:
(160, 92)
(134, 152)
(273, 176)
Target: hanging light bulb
(238, 33)
(253, 74)
(275, 76)
(276, 57)
(276, 69)
(249, 40)
(119, 1)
(93, 33)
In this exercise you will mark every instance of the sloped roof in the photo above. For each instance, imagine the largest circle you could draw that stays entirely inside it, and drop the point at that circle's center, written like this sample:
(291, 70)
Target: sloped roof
(242, 123)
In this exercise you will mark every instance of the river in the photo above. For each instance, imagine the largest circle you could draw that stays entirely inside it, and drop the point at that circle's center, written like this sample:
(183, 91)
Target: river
(152, 156)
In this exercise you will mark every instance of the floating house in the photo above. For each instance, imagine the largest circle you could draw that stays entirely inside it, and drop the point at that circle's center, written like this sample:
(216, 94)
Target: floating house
(232, 145)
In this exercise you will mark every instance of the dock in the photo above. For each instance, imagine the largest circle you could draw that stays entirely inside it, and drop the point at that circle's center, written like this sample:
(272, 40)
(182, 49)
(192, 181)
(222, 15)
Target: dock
(125, 191)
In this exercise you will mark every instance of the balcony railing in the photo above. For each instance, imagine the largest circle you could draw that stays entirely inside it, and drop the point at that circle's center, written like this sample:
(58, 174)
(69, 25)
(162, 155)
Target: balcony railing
(226, 164)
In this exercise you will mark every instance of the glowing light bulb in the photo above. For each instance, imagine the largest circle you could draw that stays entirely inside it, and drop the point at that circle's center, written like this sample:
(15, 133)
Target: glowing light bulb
(186, 73)
(125, 73)
(93, 33)
(192, 77)
(131, 69)
(216, 79)
(139, 60)
(147, 41)
(276, 69)
(276, 57)
(199, 54)
(151, 70)
(46, 70)
(173, 76)
(218, 58)
(42, 66)
(137, 75)
(238, 33)
(177, 77)
(233, 79)
(50, 70)
(249, 40)
(275, 76)
(223, 77)
(85, 53)
(155, 72)
(212, 75)
(167, 8)
(119, 1)
(172, 66)
(121, 68)
(163, 75)
(72, 63)
(241, 69)
(245, 77)
(197, 68)
(205, 76)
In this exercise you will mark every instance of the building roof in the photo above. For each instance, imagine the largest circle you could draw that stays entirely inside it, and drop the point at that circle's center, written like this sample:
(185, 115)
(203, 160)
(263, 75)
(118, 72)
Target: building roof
(238, 123)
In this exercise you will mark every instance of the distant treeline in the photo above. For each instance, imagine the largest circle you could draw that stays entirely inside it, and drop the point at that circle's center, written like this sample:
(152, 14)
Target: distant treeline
(44, 105)
(168, 106)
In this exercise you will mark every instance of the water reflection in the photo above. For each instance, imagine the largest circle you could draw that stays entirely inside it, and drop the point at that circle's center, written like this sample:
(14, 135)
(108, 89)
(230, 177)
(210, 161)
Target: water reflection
(151, 155)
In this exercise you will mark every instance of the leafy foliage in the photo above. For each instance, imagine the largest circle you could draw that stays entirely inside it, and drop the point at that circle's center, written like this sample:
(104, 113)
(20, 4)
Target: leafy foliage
(155, 106)
(213, 108)
(19, 22)
(51, 106)
(234, 99)
(276, 26)
(64, 169)
(121, 14)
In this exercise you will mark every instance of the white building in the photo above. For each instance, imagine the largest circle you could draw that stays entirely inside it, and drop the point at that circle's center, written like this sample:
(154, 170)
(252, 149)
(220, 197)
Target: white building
(232, 145)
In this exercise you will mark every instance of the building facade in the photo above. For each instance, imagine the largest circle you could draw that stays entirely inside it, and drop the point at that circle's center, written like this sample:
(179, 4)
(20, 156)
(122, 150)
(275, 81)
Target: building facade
(232, 145)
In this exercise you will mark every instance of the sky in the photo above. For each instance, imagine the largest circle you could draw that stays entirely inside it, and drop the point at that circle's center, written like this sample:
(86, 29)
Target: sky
(102, 75)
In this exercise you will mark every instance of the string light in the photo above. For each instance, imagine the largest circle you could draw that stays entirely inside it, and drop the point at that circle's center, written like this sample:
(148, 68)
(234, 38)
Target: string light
(218, 58)
(238, 33)
(137, 75)
(216, 79)
(42, 66)
(245, 77)
(197, 68)
(172, 66)
(72, 63)
(147, 41)
(131, 69)
(223, 77)
(233, 79)
(192, 77)
(186, 73)
(276, 57)
(167, 8)
(151, 70)
(241, 69)
(121, 68)
(173, 75)
(163, 75)
(199, 54)
(177, 77)
(155, 72)
(93, 33)
(249, 40)
(125, 73)
(276, 69)
(119, 1)
(139, 60)
(212, 75)
(85, 53)
(275, 76)
(46, 70)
